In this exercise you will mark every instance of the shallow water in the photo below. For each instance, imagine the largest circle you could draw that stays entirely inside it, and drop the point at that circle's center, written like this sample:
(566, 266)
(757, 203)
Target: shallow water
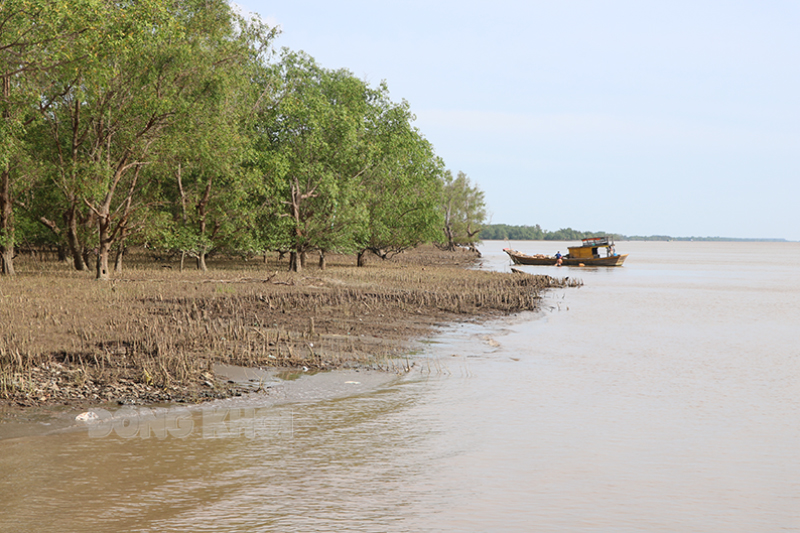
(661, 396)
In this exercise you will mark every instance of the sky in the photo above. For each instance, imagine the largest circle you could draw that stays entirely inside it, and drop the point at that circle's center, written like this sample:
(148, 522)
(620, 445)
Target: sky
(642, 117)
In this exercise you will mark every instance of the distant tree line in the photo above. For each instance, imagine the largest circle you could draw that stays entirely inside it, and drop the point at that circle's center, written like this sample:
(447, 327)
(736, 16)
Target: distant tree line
(704, 239)
(172, 124)
(536, 233)
(500, 232)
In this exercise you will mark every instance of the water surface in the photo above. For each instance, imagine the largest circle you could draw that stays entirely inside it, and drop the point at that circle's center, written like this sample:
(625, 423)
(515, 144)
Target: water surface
(661, 396)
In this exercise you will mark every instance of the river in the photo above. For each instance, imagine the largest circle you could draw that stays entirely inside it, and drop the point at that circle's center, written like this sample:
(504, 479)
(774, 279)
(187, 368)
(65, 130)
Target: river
(661, 396)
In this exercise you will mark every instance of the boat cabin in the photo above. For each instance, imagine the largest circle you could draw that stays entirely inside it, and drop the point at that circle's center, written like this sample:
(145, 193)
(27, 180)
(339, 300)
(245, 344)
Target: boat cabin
(590, 248)
(587, 254)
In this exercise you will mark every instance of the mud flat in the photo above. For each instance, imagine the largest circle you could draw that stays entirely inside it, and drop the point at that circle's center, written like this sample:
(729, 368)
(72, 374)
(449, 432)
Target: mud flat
(154, 335)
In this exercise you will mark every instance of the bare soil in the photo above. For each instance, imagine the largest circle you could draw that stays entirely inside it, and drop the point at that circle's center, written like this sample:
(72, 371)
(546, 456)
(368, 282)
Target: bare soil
(153, 333)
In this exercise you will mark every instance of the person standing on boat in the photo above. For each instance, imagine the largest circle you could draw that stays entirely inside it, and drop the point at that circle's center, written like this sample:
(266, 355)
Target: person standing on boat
(558, 258)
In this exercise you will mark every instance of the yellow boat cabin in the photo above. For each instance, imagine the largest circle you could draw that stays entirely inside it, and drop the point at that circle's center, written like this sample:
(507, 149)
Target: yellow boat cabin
(589, 253)
(590, 248)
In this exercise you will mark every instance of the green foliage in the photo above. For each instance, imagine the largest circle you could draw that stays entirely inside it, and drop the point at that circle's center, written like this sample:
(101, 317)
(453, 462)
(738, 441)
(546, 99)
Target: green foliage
(497, 232)
(38, 39)
(313, 150)
(536, 233)
(464, 211)
(569, 234)
(164, 122)
(138, 88)
(202, 181)
(403, 186)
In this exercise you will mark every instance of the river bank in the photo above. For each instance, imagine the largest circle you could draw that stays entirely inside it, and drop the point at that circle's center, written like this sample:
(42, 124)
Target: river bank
(154, 334)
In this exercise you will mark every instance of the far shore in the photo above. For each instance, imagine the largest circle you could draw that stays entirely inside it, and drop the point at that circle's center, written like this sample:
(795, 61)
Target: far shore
(154, 334)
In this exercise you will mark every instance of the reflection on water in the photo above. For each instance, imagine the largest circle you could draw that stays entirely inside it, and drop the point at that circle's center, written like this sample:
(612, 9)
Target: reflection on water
(661, 396)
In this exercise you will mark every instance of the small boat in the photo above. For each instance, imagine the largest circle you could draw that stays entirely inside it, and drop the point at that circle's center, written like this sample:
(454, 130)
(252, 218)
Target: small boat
(587, 254)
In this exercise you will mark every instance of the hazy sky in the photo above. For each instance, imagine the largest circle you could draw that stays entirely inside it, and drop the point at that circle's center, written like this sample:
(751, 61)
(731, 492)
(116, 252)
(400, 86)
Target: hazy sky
(636, 117)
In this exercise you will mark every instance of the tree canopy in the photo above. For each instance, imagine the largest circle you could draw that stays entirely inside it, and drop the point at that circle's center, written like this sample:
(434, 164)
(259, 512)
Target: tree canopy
(171, 124)
(464, 211)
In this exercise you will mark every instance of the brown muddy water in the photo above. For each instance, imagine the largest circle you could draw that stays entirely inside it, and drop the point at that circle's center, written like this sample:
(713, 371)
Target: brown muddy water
(662, 396)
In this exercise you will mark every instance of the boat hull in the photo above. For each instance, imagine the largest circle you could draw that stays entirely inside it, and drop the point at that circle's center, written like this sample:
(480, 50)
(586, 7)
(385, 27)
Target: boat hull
(523, 259)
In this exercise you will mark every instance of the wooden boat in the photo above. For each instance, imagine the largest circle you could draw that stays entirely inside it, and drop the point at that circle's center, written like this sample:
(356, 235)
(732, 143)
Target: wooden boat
(587, 254)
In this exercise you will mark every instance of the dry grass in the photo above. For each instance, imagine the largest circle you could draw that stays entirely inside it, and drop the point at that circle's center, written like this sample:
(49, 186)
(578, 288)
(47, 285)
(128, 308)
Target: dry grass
(162, 328)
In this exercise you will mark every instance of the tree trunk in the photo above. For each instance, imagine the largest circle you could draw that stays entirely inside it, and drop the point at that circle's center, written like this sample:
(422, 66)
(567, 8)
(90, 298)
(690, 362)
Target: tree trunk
(102, 266)
(294, 262)
(361, 258)
(297, 257)
(104, 249)
(103, 273)
(63, 255)
(7, 260)
(201, 261)
(183, 260)
(118, 259)
(85, 255)
(448, 226)
(6, 207)
(79, 254)
(448, 231)
(201, 213)
(6, 225)
(322, 260)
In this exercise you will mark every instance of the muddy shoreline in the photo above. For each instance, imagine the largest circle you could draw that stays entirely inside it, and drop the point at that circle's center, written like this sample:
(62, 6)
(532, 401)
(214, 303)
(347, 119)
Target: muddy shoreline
(154, 335)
